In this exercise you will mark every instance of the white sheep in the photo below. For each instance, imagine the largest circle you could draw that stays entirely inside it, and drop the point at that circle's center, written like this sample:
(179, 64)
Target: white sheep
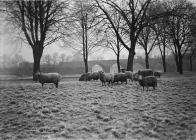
(129, 75)
(48, 78)
(106, 77)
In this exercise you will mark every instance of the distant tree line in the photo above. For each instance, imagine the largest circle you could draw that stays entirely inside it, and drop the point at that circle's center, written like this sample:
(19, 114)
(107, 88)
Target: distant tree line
(76, 67)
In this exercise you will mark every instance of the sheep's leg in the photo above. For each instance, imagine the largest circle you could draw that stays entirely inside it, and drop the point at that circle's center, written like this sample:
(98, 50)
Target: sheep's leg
(42, 84)
(57, 85)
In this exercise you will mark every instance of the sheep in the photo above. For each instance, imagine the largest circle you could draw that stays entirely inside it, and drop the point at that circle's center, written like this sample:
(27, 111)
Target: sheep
(88, 76)
(95, 75)
(82, 77)
(48, 78)
(157, 74)
(145, 72)
(122, 77)
(129, 75)
(106, 77)
(148, 81)
(85, 77)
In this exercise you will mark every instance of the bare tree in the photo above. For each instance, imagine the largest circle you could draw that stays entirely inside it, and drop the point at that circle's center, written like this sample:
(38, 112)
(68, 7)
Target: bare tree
(179, 31)
(160, 29)
(113, 42)
(62, 58)
(192, 50)
(47, 59)
(55, 58)
(83, 32)
(17, 59)
(135, 19)
(6, 60)
(191, 54)
(39, 22)
(148, 40)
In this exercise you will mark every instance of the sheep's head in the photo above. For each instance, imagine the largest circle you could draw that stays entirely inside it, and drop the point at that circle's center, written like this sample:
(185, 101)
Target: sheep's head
(100, 73)
(36, 76)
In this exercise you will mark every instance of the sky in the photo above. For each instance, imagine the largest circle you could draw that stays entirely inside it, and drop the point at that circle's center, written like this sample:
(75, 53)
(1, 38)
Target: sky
(11, 45)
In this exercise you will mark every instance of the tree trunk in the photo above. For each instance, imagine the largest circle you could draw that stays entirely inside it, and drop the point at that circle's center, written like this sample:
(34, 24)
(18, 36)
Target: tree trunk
(147, 61)
(131, 55)
(118, 62)
(176, 61)
(37, 54)
(130, 61)
(163, 58)
(85, 43)
(180, 63)
(86, 65)
(164, 64)
(177, 64)
(191, 63)
(36, 65)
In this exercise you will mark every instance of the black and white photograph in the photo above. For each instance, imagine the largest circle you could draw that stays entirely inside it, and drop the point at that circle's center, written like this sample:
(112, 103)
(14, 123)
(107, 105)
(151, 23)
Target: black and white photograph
(97, 69)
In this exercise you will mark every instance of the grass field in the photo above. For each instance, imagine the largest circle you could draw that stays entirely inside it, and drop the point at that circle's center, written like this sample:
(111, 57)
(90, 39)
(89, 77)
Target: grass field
(86, 110)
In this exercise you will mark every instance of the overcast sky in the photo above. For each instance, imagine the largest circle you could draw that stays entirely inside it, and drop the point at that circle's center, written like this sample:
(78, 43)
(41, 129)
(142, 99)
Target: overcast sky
(10, 45)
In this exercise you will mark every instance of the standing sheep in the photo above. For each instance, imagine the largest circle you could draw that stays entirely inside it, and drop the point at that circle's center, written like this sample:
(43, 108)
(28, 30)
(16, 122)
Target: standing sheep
(145, 72)
(129, 75)
(48, 78)
(106, 77)
(148, 81)
(122, 77)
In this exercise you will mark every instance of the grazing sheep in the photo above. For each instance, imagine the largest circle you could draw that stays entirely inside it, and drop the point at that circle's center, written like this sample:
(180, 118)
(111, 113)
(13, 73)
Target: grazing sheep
(82, 77)
(129, 75)
(85, 77)
(106, 77)
(48, 78)
(148, 81)
(95, 75)
(157, 74)
(122, 77)
(145, 72)
(89, 76)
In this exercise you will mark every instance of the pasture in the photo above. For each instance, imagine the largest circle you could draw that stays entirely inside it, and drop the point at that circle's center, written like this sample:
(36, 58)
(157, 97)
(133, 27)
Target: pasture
(87, 110)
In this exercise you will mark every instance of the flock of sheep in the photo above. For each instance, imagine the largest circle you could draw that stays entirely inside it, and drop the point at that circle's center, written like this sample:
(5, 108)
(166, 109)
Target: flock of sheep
(145, 77)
